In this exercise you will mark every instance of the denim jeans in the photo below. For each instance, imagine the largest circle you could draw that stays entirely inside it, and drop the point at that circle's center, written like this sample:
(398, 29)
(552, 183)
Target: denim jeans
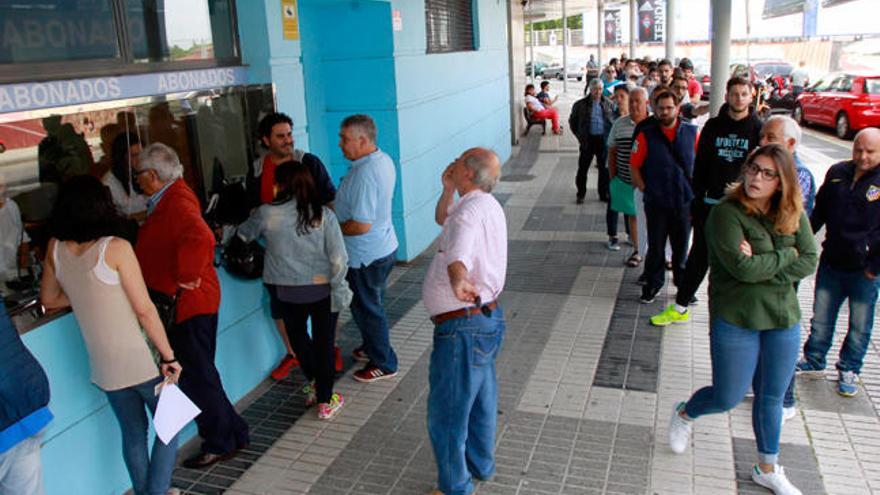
(150, 475)
(463, 399)
(21, 472)
(740, 357)
(368, 310)
(832, 288)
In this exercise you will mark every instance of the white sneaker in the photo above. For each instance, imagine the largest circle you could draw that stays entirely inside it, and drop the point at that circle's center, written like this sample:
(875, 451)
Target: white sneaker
(679, 430)
(774, 480)
(788, 413)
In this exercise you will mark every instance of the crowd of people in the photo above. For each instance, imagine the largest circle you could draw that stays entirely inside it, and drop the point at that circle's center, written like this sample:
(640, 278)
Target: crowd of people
(732, 198)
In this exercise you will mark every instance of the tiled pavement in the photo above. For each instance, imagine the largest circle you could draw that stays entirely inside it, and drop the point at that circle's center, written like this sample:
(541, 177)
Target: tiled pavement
(586, 385)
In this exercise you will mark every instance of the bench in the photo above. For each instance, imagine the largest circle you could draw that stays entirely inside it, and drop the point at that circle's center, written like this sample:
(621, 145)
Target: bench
(533, 121)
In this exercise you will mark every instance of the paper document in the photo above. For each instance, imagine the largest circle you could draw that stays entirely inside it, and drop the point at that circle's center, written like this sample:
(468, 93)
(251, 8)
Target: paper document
(174, 411)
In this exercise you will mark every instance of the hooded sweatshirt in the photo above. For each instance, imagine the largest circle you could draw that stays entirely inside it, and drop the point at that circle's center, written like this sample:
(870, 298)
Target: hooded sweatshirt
(724, 146)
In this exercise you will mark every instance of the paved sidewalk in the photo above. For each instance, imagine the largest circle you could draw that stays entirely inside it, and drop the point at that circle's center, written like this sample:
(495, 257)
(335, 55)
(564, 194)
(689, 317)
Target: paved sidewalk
(586, 385)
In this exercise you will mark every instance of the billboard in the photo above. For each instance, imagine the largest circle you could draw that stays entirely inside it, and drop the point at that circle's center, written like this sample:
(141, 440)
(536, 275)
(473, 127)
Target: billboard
(612, 27)
(652, 20)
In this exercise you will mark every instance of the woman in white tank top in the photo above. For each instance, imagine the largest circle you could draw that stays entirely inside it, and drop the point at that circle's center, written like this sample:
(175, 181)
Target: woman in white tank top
(98, 275)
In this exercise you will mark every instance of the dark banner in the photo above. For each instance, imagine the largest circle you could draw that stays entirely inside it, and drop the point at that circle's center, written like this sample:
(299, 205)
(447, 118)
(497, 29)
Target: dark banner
(612, 27)
(652, 20)
(779, 8)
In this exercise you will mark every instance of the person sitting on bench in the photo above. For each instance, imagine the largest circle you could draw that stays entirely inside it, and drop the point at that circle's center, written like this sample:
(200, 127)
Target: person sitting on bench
(539, 111)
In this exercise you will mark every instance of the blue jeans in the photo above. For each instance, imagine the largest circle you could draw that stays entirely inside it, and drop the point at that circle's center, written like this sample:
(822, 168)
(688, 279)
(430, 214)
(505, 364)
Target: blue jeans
(764, 359)
(463, 399)
(832, 288)
(368, 310)
(149, 475)
(21, 472)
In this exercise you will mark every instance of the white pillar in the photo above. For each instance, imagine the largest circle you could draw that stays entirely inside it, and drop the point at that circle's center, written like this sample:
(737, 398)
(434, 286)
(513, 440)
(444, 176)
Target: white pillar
(564, 49)
(720, 52)
(600, 33)
(531, 41)
(670, 30)
(633, 27)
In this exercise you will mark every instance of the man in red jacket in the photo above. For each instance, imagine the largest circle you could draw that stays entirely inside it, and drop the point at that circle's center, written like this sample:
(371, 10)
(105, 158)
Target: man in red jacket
(175, 248)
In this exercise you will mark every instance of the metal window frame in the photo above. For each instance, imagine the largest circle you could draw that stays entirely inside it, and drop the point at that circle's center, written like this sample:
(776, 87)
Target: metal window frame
(445, 6)
(124, 64)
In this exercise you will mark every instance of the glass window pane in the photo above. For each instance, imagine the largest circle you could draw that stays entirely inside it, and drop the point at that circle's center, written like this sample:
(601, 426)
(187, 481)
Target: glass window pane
(57, 30)
(180, 30)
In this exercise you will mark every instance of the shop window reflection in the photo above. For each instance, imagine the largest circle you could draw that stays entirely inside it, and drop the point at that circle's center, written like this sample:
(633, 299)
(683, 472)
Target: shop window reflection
(180, 30)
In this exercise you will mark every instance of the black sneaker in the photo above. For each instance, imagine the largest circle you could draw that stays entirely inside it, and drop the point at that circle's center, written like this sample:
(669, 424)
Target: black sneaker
(648, 295)
(579, 200)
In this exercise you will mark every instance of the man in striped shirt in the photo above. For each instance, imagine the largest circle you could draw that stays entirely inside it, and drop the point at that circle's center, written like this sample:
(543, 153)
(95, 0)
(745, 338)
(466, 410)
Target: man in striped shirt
(622, 192)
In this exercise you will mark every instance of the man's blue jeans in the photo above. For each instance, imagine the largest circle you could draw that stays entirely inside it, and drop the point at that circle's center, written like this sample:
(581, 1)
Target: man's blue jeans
(832, 288)
(740, 357)
(368, 310)
(463, 399)
(149, 475)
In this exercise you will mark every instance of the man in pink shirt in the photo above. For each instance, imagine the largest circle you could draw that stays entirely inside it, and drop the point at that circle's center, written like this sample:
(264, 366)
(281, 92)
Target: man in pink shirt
(460, 292)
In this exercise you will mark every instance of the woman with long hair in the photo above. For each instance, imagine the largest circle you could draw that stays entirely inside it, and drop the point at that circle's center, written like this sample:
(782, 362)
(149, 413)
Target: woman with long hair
(305, 270)
(760, 243)
(89, 268)
(124, 156)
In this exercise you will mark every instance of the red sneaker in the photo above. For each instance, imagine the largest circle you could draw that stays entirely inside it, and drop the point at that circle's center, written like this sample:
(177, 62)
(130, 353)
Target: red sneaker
(283, 370)
(372, 373)
(360, 354)
(337, 352)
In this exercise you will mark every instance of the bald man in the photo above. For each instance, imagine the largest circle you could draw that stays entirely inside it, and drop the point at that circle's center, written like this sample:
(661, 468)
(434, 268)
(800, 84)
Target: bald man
(460, 292)
(848, 205)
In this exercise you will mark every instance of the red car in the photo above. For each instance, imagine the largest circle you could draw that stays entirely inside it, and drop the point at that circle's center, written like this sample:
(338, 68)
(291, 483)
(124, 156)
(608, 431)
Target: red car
(846, 101)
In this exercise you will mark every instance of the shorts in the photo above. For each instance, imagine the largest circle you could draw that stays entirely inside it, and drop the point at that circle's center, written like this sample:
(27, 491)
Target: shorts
(622, 198)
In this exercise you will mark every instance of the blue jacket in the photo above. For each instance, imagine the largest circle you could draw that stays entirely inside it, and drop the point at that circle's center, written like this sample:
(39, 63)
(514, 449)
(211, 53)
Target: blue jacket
(668, 167)
(24, 388)
(850, 212)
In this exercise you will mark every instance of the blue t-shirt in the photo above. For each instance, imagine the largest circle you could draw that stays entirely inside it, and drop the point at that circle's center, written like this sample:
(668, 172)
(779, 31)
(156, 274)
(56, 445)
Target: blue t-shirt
(365, 196)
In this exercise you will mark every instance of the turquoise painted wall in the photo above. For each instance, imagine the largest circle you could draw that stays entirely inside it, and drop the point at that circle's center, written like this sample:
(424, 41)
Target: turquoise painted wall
(82, 447)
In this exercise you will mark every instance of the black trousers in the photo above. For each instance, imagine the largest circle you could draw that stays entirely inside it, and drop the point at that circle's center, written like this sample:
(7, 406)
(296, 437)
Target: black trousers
(593, 147)
(195, 344)
(315, 353)
(663, 224)
(698, 258)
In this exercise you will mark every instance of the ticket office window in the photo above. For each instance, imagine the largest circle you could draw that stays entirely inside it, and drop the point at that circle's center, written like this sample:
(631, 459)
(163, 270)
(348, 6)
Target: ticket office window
(213, 133)
(50, 39)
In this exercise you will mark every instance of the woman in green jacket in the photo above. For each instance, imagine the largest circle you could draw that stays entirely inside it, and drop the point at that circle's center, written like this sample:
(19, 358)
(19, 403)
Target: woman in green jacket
(760, 243)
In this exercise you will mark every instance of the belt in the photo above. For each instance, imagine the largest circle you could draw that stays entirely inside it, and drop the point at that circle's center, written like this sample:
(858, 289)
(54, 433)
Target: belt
(458, 313)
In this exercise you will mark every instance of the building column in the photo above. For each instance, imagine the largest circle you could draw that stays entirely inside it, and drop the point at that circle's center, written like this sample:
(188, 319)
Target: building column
(720, 52)
(564, 49)
(633, 27)
(670, 30)
(600, 33)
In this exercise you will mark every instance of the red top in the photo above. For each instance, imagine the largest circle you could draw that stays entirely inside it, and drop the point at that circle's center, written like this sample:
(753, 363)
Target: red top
(267, 180)
(174, 246)
(695, 89)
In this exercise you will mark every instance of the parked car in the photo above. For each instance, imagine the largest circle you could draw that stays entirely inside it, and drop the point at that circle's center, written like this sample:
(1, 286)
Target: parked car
(758, 70)
(539, 66)
(554, 71)
(848, 102)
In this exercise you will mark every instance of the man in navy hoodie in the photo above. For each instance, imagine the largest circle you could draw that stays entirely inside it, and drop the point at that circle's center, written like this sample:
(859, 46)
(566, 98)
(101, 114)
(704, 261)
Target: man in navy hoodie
(848, 206)
(24, 412)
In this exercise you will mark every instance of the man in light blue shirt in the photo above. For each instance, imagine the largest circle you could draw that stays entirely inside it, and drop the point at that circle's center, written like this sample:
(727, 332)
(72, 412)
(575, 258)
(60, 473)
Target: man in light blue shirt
(363, 206)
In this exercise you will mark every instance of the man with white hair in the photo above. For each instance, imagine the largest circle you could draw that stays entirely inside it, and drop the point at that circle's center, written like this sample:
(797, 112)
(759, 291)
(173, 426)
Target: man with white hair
(783, 130)
(175, 248)
(14, 241)
(590, 121)
(848, 206)
(461, 291)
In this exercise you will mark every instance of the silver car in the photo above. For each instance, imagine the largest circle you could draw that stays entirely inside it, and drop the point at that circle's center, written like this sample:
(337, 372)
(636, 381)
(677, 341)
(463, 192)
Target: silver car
(555, 72)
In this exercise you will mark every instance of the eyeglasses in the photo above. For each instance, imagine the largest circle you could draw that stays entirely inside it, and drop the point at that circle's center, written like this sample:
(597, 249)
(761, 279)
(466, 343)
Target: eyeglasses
(766, 173)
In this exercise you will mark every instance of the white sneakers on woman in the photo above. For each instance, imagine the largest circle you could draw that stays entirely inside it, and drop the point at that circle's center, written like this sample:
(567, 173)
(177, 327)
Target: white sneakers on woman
(775, 480)
(679, 430)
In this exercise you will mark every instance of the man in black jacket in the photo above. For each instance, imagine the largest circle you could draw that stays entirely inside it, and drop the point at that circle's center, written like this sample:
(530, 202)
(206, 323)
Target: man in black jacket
(24, 412)
(590, 121)
(848, 205)
(725, 143)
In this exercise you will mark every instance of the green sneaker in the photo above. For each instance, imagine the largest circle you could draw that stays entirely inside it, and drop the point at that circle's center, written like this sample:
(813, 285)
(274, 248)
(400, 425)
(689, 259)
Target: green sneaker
(670, 315)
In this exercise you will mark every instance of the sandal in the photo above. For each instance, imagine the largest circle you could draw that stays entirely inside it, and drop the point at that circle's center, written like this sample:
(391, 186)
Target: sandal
(634, 260)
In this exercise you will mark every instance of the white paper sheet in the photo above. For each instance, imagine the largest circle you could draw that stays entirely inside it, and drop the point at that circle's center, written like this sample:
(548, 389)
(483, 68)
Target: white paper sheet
(174, 411)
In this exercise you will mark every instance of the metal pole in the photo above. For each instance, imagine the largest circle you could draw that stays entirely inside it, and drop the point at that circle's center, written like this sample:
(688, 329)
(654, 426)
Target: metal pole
(748, 35)
(720, 52)
(670, 30)
(633, 27)
(600, 33)
(564, 49)
(532, 41)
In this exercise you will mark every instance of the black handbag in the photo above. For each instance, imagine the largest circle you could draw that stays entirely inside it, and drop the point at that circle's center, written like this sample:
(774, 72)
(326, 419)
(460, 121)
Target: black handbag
(166, 306)
(244, 259)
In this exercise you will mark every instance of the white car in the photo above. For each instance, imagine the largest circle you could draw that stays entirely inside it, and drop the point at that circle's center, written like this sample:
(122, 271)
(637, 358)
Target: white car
(554, 71)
